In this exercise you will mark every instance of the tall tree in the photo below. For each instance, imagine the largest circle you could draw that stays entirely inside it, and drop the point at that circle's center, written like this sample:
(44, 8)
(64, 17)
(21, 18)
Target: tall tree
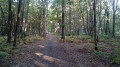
(17, 23)
(63, 20)
(100, 21)
(87, 19)
(114, 12)
(44, 22)
(23, 12)
(26, 18)
(70, 17)
(9, 26)
(95, 35)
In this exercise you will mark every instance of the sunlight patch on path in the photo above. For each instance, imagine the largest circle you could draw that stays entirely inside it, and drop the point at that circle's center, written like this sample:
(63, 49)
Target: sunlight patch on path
(40, 64)
(39, 54)
(41, 46)
(51, 59)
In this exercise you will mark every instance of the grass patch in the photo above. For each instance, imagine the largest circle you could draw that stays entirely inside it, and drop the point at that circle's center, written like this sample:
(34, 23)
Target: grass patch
(76, 39)
(6, 49)
(29, 39)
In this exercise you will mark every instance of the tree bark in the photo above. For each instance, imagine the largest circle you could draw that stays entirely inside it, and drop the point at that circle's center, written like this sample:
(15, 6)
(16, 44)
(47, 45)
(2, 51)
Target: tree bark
(44, 22)
(17, 23)
(9, 29)
(95, 35)
(70, 17)
(63, 21)
(87, 17)
(114, 12)
(100, 20)
(23, 10)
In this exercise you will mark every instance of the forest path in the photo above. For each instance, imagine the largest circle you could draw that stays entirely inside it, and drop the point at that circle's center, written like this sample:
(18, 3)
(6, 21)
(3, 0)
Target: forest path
(52, 53)
(46, 53)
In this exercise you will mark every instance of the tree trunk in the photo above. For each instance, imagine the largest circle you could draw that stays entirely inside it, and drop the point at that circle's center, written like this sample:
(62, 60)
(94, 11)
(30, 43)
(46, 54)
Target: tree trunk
(26, 18)
(87, 18)
(114, 12)
(113, 33)
(9, 29)
(95, 35)
(3, 14)
(100, 21)
(63, 20)
(23, 10)
(17, 23)
(3, 31)
(44, 22)
(70, 17)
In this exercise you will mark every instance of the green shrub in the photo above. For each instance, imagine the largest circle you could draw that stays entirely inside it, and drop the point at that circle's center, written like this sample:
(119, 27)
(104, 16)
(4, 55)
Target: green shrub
(29, 39)
(116, 58)
(100, 53)
(84, 37)
(87, 46)
(3, 53)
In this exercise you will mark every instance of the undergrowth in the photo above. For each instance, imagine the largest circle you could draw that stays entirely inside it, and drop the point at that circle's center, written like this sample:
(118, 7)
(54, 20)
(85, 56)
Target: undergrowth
(6, 49)
(76, 39)
(106, 42)
(29, 39)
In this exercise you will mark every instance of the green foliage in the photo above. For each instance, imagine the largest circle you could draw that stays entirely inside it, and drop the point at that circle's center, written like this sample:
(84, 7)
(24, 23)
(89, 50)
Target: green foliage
(29, 39)
(70, 2)
(116, 57)
(100, 53)
(86, 46)
(3, 53)
(78, 38)
(84, 37)
(106, 38)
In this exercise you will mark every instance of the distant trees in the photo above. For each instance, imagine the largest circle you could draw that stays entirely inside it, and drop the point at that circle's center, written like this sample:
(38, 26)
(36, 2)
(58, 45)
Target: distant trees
(71, 18)
(25, 17)
(87, 17)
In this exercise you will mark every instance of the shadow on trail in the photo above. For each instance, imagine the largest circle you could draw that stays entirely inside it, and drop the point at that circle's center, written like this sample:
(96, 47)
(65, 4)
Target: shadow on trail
(52, 53)
(47, 53)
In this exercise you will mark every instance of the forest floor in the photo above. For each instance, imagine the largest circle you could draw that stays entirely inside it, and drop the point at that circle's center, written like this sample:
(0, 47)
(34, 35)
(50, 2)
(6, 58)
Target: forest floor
(53, 53)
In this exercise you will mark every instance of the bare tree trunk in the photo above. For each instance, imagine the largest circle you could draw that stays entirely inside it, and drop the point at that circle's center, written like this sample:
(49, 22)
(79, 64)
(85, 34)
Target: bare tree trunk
(70, 17)
(3, 31)
(95, 35)
(63, 20)
(23, 10)
(87, 17)
(114, 12)
(9, 29)
(26, 18)
(39, 26)
(3, 14)
(100, 20)
(44, 22)
(17, 23)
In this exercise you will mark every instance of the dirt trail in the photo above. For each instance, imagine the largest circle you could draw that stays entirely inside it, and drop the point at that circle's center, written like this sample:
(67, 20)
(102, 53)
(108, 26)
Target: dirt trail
(47, 53)
(52, 53)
